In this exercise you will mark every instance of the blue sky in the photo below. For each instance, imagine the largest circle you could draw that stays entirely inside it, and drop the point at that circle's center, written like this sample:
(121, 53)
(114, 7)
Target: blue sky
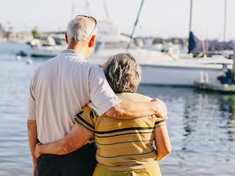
(164, 18)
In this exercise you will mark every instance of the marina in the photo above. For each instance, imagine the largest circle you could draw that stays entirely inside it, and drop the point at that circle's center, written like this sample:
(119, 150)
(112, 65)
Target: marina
(201, 125)
(168, 69)
(186, 51)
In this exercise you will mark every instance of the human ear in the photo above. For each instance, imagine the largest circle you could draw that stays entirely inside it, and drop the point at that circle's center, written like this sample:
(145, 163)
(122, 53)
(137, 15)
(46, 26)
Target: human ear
(92, 41)
(66, 38)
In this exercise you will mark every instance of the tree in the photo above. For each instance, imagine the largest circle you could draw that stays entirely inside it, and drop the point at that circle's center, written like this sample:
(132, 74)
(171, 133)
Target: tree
(35, 33)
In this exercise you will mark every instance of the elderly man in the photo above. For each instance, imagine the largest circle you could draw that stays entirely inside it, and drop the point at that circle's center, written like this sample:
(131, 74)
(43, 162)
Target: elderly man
(60, 88)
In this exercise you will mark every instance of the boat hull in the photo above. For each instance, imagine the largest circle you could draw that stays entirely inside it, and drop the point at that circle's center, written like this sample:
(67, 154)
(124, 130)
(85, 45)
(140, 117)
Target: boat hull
(177, 76)
(161, 70)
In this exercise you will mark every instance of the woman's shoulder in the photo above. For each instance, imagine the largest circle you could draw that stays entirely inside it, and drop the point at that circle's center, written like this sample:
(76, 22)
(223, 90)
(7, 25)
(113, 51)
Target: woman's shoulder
(133, 97)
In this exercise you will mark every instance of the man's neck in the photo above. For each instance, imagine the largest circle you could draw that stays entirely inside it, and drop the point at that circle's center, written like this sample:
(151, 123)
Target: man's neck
(78, 47)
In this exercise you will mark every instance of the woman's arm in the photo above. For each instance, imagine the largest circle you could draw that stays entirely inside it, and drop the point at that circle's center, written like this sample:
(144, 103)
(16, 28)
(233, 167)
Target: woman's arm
(76, 138)
(162, 141)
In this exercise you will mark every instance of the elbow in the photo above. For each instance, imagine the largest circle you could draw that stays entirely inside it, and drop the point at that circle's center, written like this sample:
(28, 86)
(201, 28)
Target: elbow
(114, 112)
(167, 151)
(110, 112)
(163, 153)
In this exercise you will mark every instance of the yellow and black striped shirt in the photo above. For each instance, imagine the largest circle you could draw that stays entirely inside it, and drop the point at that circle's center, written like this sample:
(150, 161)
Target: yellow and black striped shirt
(122, 144)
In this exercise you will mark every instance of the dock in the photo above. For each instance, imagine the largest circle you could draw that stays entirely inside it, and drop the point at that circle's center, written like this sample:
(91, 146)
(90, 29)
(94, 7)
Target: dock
(218, 87)
(206, 84)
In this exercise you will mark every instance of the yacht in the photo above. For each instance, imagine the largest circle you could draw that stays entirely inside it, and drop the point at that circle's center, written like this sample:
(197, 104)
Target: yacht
(46, 46)
(157, 68)
(160, 68)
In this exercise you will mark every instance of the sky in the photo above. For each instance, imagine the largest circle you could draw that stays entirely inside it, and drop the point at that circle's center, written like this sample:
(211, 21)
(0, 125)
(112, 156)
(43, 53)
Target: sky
(159, 18)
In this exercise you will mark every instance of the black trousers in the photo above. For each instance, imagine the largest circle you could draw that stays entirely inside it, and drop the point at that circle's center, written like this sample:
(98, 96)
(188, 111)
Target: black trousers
(81, 162)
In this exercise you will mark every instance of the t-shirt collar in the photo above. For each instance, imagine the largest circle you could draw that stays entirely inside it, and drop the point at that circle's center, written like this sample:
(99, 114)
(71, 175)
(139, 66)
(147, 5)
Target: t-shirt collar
(74, 52)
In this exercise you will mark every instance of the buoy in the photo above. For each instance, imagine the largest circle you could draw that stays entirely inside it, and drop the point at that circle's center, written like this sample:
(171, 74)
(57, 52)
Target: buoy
(18, 58)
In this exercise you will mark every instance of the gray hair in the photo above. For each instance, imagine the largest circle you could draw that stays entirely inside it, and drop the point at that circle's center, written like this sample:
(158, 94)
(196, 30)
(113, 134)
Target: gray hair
(122, 73)
(81, 28)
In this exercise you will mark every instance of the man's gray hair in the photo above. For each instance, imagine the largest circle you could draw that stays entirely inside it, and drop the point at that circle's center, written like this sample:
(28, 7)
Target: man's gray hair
(122, 73)
(81, 29)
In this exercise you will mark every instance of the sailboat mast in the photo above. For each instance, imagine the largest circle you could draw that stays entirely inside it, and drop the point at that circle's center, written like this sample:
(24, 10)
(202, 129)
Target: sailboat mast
(106, 9)
(225, 19)
(136, 22)
(190, 35)
(72, 8)
(191, 16)
(137, 19)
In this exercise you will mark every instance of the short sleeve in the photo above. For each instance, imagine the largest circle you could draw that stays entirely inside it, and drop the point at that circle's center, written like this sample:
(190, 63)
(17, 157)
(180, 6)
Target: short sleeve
(86, 118)
(102, 96)
(159, 122)
(31, 103)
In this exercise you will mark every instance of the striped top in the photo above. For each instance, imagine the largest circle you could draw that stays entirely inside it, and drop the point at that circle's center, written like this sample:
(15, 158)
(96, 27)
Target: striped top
(122, 144)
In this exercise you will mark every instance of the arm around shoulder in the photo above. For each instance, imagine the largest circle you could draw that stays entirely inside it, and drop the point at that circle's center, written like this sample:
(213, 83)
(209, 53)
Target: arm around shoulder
(132, 110)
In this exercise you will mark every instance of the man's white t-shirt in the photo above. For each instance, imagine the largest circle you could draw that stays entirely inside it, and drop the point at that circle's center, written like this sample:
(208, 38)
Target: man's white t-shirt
(60, 88)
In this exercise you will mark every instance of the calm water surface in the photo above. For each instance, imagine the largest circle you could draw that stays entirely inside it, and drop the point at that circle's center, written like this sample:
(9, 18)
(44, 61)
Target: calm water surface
(201, 125)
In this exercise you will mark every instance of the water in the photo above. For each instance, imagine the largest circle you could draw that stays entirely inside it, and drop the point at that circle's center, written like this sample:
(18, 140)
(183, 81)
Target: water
(201, 125)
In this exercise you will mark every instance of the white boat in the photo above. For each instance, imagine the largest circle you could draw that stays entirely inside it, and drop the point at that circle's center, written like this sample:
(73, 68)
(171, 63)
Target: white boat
(157, 68)
(45, 51)
(46, 46)
(181, 72)
(160, 68)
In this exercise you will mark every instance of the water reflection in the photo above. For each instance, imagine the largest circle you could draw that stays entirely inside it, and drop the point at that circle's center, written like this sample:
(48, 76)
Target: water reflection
(228, 105)
(202, 131)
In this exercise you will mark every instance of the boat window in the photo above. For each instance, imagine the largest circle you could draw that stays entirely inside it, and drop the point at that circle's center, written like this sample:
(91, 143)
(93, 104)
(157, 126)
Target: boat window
(59, 41)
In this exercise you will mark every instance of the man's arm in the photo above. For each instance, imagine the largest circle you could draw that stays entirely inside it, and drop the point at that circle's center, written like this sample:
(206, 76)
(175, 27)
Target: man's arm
(104, 101)
(132, 110)
(32, 135)
(76, 138)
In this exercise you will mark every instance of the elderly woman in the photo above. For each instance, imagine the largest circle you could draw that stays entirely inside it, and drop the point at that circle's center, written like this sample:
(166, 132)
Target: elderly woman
(124, 147)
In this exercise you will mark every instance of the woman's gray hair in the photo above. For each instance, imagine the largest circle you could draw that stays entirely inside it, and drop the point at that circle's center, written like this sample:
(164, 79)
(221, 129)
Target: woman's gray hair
(81, 29)
(122, 73)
